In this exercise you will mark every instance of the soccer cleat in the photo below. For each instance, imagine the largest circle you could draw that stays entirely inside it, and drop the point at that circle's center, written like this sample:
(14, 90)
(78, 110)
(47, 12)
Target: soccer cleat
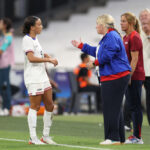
(35, 141)
(134, 140)
(110, 142)
(47, 140)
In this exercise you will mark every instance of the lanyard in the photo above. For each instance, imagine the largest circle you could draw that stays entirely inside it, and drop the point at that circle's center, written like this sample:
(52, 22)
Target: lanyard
(97, 68)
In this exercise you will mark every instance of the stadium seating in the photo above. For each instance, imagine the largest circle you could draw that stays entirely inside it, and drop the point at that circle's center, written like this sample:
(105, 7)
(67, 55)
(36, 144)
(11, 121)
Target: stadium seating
(77, 96)
(56, 38)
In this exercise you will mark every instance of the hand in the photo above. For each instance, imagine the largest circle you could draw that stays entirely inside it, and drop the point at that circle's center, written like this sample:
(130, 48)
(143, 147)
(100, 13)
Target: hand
(53, 61)
(47, 56)
(76, 43)
(129, 83)
(53, 83)
(90, 65)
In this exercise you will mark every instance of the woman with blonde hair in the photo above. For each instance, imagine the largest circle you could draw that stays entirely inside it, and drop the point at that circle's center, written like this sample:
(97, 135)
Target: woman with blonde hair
(114, 70)
(134, 49)
(145, 35)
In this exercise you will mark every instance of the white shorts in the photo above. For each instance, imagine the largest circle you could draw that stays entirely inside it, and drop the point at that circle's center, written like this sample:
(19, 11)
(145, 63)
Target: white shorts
(38, 88)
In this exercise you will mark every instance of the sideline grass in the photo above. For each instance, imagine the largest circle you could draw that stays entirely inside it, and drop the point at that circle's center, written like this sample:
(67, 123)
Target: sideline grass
(85, 130)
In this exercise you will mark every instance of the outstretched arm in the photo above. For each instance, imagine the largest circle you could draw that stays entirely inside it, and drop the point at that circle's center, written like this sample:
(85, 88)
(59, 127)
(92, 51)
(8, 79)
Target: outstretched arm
(90, 50)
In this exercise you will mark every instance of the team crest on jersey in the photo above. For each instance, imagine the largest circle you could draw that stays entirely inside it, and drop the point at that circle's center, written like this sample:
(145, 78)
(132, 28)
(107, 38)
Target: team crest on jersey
(39, 89)
(42, 54)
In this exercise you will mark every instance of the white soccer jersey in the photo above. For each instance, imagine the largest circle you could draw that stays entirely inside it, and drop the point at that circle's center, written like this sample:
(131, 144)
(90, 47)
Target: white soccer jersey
(33, 72)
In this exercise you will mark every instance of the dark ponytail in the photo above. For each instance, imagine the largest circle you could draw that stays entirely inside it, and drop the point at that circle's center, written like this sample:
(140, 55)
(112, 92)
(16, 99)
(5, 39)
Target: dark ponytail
(28, 22)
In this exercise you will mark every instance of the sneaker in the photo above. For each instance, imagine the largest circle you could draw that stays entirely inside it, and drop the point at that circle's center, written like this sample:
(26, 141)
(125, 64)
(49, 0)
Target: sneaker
(6, 112)
(110, 142)
(47, 140)
(127, 128)
(1, 112)
(35, 141)
(134, 140)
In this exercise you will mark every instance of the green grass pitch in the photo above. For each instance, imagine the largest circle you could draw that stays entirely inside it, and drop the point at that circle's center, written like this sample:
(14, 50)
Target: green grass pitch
(79, 130)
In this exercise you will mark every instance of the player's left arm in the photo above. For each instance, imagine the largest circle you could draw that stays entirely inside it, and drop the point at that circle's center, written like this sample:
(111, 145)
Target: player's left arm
(135, 45)
(52, 82)
(134, 60)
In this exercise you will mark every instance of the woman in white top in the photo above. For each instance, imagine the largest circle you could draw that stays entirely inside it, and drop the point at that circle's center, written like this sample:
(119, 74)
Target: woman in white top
(36, 79)
(145, 23)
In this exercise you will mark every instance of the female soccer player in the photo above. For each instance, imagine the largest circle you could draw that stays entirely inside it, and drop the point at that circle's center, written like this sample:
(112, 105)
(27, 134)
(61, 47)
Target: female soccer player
(134, 50)
(36, 79)
(114, 72)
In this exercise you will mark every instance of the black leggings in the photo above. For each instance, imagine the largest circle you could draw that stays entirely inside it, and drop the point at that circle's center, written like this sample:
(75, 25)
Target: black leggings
(147, 88)
(133, 103)
(112, 93)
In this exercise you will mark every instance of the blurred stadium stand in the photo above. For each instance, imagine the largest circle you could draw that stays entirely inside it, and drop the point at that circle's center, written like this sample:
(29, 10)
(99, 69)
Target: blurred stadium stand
(46, 9)
(65, 20)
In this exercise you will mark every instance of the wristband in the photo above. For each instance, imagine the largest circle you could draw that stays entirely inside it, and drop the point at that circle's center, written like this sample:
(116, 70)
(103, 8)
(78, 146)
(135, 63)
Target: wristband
(96, 62)
(80, 45)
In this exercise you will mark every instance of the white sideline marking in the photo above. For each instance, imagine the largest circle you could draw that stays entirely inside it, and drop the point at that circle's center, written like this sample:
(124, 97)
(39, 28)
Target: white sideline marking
(84, 147)
(15, 140)
(65, 145)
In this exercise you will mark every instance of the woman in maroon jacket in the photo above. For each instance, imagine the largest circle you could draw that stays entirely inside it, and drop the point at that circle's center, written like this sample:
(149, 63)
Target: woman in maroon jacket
(134, 50)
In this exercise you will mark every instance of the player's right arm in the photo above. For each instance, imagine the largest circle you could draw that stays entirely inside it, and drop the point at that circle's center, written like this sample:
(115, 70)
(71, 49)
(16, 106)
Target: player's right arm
(34, 59)
(28, 48)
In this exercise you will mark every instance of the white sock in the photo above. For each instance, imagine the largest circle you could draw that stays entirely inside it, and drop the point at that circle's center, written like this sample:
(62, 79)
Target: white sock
(47, 120)
(32, 119)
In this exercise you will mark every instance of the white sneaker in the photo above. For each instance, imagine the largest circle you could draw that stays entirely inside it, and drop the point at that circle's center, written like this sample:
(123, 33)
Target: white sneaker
(1, 112)
(110, 142)
(6, 112)
(47, 140)
(66, 114)
(134, 140)
(127, 128)
(35, 141)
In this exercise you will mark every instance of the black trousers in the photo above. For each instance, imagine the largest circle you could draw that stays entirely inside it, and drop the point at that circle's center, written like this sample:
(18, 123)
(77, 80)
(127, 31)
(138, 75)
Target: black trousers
(112, 96)
(147, 88)
(133, 102)
(127, 115)
(97, 90)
